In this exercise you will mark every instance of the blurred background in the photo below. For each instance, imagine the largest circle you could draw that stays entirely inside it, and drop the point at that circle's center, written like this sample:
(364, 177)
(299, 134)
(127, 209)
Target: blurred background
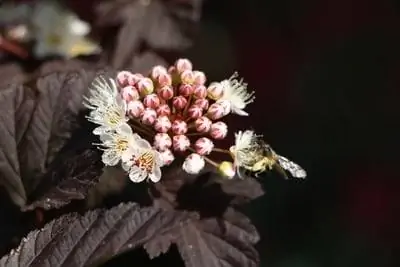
(327, 78)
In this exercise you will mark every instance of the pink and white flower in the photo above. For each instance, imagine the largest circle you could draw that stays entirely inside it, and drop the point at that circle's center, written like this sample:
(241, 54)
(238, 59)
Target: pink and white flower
(199, 78)
(179, 127)
(149, 116)
(134, 78)
(151, 101)
(156, 71)
(180, 143)
(162, 141)
(122, 78)
(186, 89)
(203, 124)
(215, 90)
(162, 124)
(193, 163)
(135, 108)
(179, 102)
(200, 91)
(167, 157)
(187, 77)
(183, 64)
(202, 102)
(145, 162)
(203, 146)
(163, 110)
(129, 93)
(218, 130)
(165, 92)
(145, 86)
(216, 111)
(195, 112)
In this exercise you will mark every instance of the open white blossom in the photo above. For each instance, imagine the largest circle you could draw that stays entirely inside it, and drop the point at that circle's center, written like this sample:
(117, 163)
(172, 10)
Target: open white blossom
(235, 96)
(58, 31)
(193, 163)
(145, 162)
(108, 108)
(116, 145)
(246, 151)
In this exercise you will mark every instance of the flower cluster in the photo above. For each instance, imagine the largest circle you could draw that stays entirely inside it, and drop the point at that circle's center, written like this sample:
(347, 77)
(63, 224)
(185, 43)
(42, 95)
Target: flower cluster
(145, 122)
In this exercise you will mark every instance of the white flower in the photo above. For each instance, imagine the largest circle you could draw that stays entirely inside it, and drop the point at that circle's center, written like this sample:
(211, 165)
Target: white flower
(108, 108)
(193, 163)
(145, 162)
(59, 32)
(247, 150)
(116, 146)
(235, 93)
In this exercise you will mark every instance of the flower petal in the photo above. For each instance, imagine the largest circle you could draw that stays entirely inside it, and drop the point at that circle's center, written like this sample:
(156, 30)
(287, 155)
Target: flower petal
(110, 158)
(155, 175)
(137, 175)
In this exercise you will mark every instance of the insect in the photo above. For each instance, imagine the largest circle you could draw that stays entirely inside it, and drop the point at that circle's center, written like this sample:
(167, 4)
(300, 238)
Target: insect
(272, 160)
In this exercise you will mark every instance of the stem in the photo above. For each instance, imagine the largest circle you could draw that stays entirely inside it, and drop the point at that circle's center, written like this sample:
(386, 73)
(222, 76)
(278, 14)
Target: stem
(222, 151)
(210, 161)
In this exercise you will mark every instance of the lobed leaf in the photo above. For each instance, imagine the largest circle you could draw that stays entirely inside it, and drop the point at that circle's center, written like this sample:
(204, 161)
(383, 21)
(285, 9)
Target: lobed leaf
(75, 240)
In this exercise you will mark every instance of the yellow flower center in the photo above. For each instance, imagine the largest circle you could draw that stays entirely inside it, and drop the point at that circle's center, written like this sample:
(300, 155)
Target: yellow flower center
(113, 117)
(121, 145)
(145, 161)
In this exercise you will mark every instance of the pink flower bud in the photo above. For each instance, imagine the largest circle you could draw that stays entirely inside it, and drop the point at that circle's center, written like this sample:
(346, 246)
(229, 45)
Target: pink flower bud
(204, 146)
(167, 157)
(179, 127)
(215, 91)
(122, 78)
(202, 102)
(179, 102)
(199, 77)
(203, 124)
(149, 116)
(145, 86)
(172, 70)
(165, 92)
(156, 71)
(129, 93)
(151, 101)
(164, 79)
(133, 79)
(135, 108)
(162, 141)
(187, 77)
(218, 130)
(215, 111)
(163, 110)
(180, 143)
(162, 124)
(200, 91)
(183, 64)
(195, 112)
(185, 90)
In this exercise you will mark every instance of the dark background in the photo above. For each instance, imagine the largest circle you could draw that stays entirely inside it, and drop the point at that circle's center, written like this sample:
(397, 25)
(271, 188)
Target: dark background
(327, 78)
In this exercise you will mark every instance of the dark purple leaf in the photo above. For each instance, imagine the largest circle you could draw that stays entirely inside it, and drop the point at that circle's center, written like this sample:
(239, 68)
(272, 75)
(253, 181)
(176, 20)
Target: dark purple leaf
(161, 25)
(75, 240)
(217, 242)
(37, 118)
(223, 236)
